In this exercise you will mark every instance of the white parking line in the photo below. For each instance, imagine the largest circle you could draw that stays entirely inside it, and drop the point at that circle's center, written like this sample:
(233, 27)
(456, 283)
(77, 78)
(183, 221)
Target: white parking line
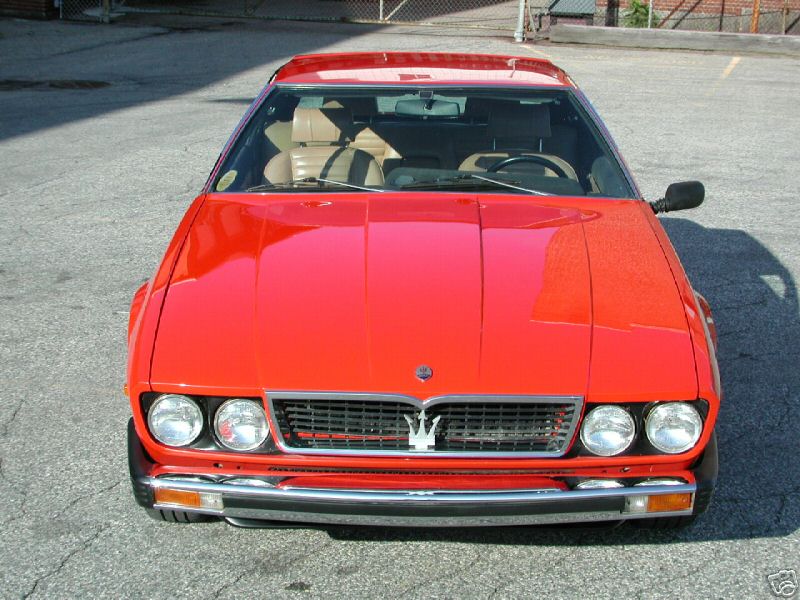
(539, 52)
(725, 72)
(731, 66)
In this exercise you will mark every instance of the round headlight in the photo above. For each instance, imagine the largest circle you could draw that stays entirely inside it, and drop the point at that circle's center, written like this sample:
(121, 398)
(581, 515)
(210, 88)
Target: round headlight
(608, 430)
(673, 427)
(241, 424)
(175, 420)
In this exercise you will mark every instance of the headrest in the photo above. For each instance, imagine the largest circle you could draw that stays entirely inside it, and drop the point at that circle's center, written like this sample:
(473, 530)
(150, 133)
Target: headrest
(319, 124)
(517, 121)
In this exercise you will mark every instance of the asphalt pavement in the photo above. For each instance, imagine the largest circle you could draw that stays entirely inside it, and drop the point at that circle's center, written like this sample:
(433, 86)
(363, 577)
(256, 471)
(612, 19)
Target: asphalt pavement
(107, 133)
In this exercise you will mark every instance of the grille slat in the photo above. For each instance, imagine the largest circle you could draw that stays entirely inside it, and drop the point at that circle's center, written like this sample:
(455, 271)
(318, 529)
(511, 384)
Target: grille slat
(473, 425)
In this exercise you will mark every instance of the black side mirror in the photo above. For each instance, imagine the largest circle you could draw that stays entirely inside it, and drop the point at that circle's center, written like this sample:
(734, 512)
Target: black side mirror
(680, 196)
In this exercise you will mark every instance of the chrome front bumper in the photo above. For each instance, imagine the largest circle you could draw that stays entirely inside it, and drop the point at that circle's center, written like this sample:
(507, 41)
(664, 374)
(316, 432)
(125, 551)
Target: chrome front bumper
(423, 508)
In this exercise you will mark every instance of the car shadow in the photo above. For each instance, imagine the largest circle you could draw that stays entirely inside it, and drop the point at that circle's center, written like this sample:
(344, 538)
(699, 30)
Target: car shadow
(754, 299)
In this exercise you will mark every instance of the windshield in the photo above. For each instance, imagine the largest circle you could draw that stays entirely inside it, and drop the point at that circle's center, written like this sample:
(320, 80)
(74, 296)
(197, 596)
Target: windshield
(520, 141)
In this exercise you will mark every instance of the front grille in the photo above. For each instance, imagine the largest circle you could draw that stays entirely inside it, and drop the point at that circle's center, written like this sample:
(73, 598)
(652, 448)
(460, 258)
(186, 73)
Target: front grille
(377, 424)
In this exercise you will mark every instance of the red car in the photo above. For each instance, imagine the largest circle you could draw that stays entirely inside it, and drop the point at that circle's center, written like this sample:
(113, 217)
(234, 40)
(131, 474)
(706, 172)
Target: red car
(423, 289)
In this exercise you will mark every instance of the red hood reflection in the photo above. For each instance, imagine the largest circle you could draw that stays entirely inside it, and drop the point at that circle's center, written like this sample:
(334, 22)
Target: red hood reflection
(498, 294)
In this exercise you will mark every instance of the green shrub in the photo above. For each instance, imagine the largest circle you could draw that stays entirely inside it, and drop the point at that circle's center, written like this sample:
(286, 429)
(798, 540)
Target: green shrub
(637, 14)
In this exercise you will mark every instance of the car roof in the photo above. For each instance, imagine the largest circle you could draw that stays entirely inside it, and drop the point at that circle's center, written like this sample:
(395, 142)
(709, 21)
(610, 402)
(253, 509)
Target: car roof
(404, 68)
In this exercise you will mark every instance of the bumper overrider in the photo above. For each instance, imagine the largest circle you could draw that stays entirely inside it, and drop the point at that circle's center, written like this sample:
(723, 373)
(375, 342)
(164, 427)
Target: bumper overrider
(241, 503)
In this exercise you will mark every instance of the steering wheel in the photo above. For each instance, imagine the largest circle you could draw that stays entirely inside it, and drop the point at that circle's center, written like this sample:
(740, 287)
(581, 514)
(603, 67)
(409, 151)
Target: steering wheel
(531, 158)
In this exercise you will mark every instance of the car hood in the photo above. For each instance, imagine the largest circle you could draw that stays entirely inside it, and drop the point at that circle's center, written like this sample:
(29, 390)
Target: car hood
(353, 292)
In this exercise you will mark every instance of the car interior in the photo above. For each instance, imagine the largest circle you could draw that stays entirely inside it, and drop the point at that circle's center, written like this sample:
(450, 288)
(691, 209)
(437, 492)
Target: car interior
(538, 141)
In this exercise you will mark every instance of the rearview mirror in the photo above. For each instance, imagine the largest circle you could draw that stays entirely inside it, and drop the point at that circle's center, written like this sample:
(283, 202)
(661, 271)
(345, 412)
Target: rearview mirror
(680, 196)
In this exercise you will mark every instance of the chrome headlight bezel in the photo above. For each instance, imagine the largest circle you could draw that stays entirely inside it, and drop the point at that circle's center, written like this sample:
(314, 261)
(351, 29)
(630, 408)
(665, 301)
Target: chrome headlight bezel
(192, 415)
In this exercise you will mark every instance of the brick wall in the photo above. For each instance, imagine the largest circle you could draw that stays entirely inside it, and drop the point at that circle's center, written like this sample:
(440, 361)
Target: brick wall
(712, 7)
(32, 9)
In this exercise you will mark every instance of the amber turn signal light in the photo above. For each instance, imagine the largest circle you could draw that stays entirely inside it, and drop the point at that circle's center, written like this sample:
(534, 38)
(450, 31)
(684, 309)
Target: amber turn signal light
(669, 502)
(180, 497)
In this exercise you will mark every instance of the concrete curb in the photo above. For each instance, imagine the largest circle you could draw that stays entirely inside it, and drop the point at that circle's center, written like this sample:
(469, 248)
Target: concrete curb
(685, 40)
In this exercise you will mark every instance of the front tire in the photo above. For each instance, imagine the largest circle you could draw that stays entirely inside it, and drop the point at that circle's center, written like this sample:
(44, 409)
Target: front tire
(664, 523)
(176, 516)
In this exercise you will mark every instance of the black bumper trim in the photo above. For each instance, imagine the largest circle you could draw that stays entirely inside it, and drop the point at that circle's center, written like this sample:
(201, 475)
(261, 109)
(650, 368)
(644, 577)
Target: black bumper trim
(705, 473)
(139, 465)
(615, 504)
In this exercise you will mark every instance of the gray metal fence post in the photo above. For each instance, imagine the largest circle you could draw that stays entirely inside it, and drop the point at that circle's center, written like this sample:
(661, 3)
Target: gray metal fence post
(519, 34)
(380, 10)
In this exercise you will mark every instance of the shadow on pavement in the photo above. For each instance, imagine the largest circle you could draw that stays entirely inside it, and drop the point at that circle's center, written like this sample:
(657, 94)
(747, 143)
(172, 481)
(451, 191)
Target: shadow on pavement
(755, 305)
(81, 71)
(131, 65)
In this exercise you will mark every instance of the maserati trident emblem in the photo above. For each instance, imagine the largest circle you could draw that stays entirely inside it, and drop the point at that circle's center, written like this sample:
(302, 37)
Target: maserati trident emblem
(424, 372)
(421, 440)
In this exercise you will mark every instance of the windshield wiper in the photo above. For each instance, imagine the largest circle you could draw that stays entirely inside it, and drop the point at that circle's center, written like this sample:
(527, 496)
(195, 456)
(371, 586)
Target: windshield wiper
(272, 186)
(510, 185)
(294, 185)
(467, 179)
(342, 183)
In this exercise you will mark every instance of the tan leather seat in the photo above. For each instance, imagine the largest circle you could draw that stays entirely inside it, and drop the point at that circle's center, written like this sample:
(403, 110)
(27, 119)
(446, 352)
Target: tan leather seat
(369, 141)
(279, 136)
(364, 137)
(323, 151)
(518, 130)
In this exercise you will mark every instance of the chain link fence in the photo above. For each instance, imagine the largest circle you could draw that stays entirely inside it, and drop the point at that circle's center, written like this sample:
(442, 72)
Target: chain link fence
(501, 15)
(483, 14)
(82, 10)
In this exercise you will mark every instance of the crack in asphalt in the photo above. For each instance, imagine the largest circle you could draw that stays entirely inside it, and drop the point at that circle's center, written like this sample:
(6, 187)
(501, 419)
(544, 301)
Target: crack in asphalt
(84, 545)
(783, 419)
(115, 43)
(93, 493)
(429, 583)
(759, 527)
(758, 356)
(7, 424)
(21, 514)
(640, 593)
(570, 554)
(740, 305)
(23, 511)
(778, 495)
(732, 332)
(217, 593)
